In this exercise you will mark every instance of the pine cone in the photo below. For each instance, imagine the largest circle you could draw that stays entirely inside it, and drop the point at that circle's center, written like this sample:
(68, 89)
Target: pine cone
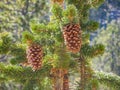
(34, 56)
(72, 37)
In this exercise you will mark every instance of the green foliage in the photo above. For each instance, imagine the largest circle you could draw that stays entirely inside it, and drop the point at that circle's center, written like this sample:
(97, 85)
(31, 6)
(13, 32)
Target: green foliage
(81, 3)
(16, 15)
(62, 58)
(29, 85)
(3, 79)
(38, 28)
(83, 7)
(70, 14)
(92, 84)
(92, 51)
(43, 29)
(95, 83)
(85, 38)
(50, 36)
(5, 43)
(57, 11)
(70, 11)
(98, 3)
(27, 36)
(18, 73)
(108, 79)
(110, 39)
(18, 59)
(65, 16)
(44, 84)
(92, 26)
(18, 53)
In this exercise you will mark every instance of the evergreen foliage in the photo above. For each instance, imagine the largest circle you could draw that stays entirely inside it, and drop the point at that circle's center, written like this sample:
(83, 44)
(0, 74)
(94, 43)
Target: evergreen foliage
(111, 42)
(109, 79)
(57, 60)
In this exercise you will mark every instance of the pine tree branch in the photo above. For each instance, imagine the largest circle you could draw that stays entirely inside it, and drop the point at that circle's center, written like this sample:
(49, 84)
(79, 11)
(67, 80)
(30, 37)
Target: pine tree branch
(92, 51)
(29, 85)
(42, 28)
(3, 79)
(108, 79)
(20, 73)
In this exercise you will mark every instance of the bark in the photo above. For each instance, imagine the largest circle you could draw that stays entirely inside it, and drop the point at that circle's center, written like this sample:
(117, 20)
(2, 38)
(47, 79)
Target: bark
(65, 80)
(82, 72)
(60, 79)
(85, 74)
(57, 79)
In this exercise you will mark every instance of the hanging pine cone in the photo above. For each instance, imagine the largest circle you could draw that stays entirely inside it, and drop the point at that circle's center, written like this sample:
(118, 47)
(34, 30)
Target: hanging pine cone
(34, 56)
(72, 37)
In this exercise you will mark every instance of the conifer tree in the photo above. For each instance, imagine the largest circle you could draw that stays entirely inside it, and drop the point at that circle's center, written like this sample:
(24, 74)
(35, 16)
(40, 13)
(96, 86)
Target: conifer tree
(49, 53)
(15, 15)
(111, 42)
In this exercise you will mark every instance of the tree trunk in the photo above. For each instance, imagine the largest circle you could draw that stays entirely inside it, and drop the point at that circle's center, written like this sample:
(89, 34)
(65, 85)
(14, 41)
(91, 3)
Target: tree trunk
(82, 72)
(60, 79)
(65, 80)
(57, 79)
(86, 74)
(58, 83)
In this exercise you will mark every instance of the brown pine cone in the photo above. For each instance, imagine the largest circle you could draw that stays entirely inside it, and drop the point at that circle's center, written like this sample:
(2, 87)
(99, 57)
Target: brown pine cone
(72, 37)
(34, 56)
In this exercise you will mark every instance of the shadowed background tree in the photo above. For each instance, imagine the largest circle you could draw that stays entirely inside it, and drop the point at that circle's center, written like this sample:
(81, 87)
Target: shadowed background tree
(110, 59)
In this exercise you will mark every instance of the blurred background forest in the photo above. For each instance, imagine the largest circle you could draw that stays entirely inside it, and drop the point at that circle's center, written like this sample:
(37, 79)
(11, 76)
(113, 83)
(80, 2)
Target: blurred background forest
(16, 15)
